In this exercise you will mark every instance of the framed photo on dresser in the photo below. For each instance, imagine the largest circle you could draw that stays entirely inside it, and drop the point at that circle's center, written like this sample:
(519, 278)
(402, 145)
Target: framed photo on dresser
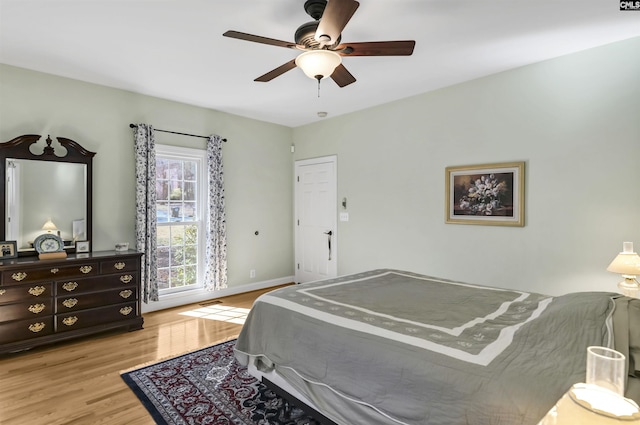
(83, 246)
(8, 249)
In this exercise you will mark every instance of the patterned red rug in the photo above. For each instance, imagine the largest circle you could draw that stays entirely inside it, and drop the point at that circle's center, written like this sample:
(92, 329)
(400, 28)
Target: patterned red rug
(209, 387)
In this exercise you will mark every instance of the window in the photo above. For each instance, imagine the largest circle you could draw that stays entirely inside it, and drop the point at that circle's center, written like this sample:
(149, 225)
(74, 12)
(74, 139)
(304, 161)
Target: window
(180, 209)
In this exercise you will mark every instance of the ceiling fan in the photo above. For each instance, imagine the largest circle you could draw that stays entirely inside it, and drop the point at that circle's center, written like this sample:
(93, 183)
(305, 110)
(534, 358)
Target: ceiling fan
(320, 42)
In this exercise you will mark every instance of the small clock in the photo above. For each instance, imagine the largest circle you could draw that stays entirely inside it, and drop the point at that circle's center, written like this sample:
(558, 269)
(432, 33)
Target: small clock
(48, 242)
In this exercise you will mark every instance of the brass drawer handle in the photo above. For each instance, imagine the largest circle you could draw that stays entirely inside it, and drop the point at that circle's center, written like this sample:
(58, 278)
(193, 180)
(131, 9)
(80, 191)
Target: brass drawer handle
(119, 265)
(37, 290)
(86, 269)
(3, 291)
(126, 278)
(70, 302)
(36, 308)
(125, 310)
(18, 276)
(70, 286)
(71, 320)
(126, 293)
(54, 271)
(36, 327)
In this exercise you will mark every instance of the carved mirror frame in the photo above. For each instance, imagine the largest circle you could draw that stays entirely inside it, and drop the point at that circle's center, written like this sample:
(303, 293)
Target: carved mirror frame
(19, 148)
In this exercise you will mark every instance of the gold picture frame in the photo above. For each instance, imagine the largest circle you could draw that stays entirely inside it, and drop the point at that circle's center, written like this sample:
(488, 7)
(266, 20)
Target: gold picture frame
(485, 194)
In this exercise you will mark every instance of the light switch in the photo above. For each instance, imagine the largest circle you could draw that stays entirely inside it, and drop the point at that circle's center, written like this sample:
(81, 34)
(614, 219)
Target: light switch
(344, 216)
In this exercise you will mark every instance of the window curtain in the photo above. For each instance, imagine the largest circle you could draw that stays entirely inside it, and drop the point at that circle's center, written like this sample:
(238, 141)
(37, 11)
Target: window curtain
(216, 252)
(145, 151)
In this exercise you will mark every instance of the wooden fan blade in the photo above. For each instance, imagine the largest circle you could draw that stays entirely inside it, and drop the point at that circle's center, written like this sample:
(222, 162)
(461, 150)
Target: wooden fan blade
(342, 77)
(277, 72)
(259, 39)
(377, 48)
(335, 17)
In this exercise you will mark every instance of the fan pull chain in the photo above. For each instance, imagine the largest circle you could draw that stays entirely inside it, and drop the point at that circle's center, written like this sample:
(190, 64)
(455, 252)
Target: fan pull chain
(318, 77)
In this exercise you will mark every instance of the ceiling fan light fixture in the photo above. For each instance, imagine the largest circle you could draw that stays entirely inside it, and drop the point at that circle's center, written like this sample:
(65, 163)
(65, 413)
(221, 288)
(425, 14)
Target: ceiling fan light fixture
(318, 64)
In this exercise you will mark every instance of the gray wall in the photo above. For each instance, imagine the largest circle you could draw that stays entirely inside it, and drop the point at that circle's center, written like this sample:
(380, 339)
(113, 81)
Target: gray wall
(574, 120)
(257, 161)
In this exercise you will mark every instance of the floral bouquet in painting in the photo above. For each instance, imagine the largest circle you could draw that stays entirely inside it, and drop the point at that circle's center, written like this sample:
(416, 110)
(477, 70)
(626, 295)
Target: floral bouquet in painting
(484, 196)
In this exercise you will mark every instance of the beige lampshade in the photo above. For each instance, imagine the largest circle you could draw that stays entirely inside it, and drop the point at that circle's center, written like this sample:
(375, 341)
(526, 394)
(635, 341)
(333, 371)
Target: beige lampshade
(49, 226)
(627, 262)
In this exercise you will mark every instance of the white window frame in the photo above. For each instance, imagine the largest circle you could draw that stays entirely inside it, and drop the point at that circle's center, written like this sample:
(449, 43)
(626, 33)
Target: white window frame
(202, 189)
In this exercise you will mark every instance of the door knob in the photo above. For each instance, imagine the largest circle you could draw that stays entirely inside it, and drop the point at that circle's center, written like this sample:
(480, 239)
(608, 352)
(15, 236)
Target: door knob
(329, 233)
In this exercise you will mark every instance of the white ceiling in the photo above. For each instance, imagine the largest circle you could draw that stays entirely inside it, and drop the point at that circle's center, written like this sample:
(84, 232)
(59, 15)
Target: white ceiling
(174, 49)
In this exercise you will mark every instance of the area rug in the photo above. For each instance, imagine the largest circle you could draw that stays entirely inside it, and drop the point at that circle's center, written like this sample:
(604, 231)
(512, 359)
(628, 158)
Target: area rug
(209, 387)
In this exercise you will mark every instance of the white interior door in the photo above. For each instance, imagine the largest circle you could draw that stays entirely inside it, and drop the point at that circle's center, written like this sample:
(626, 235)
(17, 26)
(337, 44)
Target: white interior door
(316, 221)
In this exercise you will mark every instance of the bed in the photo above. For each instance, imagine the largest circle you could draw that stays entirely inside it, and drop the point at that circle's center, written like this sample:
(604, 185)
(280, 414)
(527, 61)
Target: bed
(395, 347)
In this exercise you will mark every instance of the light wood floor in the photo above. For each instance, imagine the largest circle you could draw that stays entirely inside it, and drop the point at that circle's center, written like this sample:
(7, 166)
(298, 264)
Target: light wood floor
(78, 382)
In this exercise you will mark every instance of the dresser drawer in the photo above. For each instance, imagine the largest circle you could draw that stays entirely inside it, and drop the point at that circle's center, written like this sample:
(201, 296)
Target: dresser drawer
(55, 271)
(121, 280)
(25, 329)
(27, 293)
(96, 316)
(37, 308)
(120, 265)
(74, 286)
(95, 299)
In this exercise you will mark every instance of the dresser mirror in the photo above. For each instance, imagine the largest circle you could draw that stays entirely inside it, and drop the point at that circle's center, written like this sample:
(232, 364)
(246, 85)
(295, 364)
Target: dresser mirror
(47, 189)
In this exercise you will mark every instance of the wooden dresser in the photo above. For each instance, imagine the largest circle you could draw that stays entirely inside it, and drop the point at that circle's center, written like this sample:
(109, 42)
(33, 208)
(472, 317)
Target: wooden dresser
(44, 301)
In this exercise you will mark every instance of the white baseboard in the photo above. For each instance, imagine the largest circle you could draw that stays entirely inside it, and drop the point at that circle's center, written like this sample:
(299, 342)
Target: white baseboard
(190, 297)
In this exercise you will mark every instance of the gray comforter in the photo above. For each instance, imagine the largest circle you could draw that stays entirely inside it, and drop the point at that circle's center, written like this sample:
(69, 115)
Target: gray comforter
(392, 347)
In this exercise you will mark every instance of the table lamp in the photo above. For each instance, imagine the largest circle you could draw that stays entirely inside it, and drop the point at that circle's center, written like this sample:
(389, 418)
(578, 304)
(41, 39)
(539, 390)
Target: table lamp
(49, 226)
(627, 263)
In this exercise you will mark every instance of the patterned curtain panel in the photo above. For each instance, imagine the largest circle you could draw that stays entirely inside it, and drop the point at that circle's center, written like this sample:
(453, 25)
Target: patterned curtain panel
(145, 148)
(216, 265)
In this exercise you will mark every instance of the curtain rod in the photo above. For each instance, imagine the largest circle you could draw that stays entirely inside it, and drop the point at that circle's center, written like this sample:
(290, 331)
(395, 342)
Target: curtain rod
(175, 132)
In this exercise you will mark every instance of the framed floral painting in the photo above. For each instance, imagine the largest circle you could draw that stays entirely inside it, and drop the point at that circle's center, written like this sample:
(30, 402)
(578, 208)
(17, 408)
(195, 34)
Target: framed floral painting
(487, 194)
